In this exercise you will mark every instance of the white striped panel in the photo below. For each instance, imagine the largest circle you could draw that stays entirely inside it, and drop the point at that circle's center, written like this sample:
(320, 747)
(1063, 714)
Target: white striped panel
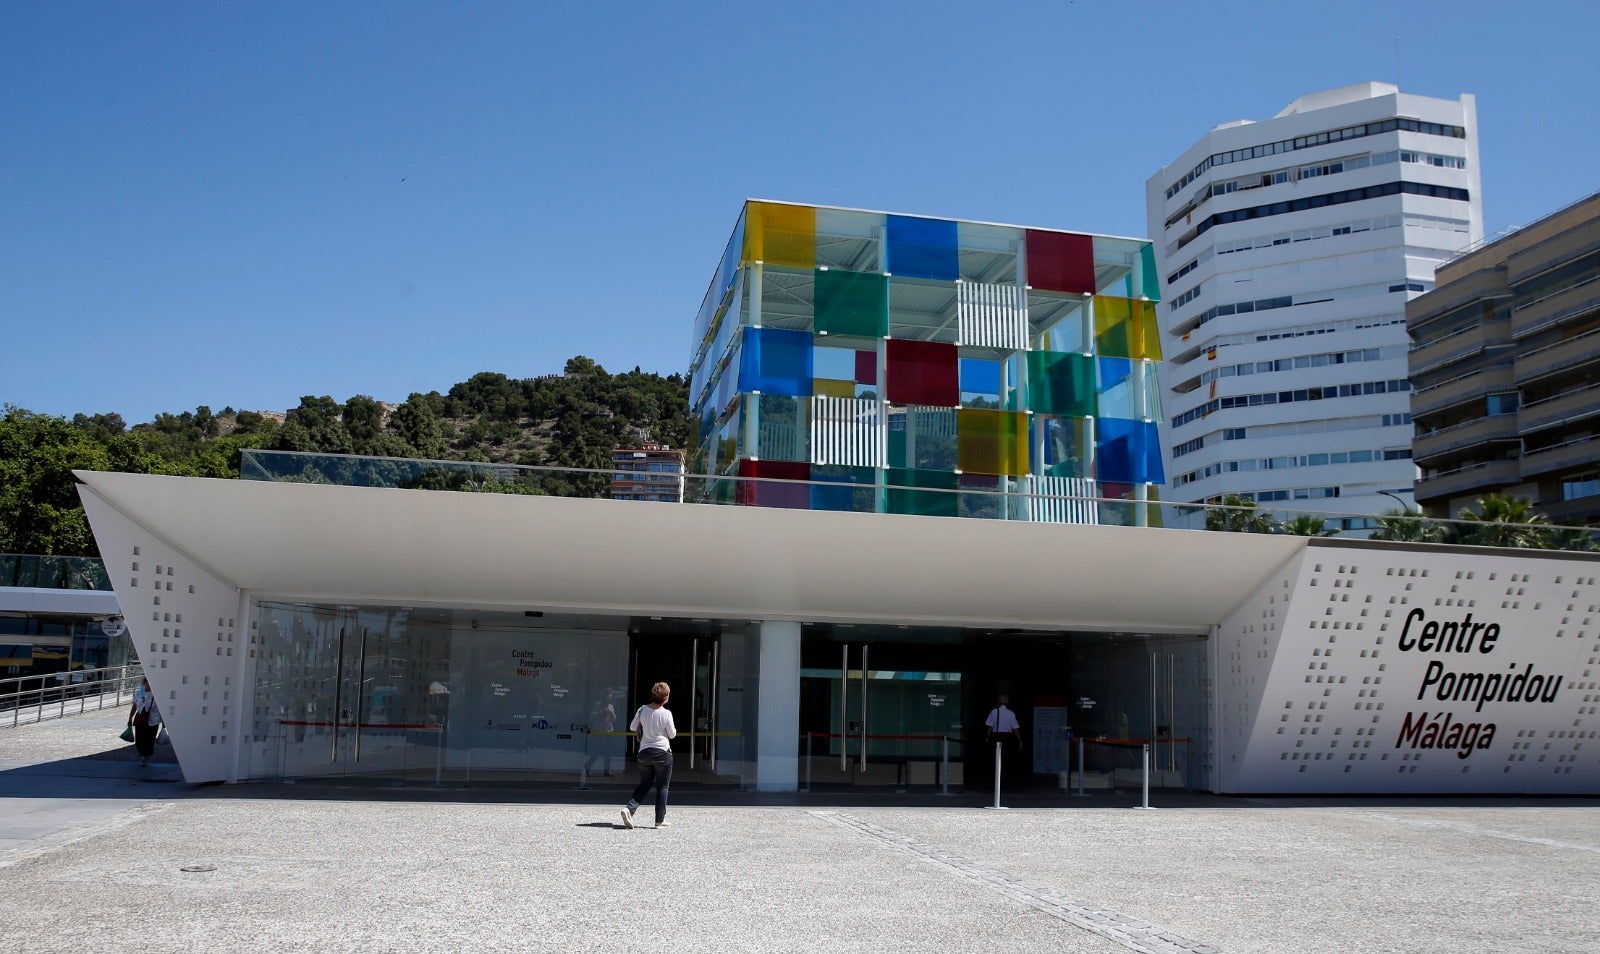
(848, 432)
(992, 316)
(1061, 500)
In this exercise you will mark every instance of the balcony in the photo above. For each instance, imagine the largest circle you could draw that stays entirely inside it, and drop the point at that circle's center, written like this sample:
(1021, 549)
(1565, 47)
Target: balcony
(1573, 405)
(1459, 390)
(1472, 433)
(1556, 308)
(1484, 477)
(1552, 359)
(1578, 454)
(1462, 344)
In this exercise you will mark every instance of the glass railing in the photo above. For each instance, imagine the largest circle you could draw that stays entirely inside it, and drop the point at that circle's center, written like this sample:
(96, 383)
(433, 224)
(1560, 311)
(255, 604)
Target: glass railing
(1028, 499)
(53, 572)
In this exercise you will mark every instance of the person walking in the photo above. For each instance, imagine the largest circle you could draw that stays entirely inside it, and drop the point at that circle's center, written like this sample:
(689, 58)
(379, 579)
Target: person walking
(656, 730)
(145, 717)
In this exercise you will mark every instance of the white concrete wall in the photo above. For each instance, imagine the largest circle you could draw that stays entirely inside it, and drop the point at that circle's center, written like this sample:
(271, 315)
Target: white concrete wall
(182, 622)
(1321, 678)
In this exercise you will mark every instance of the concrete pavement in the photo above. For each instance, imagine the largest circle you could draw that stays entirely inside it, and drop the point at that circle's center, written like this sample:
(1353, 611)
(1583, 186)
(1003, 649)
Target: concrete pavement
(93, 852)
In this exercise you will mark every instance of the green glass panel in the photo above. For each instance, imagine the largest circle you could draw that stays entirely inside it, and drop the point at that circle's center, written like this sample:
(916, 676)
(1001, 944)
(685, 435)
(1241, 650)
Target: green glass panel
(852, 303)
(1149, 284)
(992, 442)
(1061, 383)
(923, 492)
(783, 427)
(922, 437)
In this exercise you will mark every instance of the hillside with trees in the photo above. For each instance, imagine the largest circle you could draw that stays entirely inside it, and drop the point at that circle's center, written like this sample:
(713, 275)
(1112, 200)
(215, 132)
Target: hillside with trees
(573, 419)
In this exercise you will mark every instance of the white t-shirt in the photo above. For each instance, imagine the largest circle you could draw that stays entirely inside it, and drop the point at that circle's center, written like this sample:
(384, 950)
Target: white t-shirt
(655, 727)
(1001, 720)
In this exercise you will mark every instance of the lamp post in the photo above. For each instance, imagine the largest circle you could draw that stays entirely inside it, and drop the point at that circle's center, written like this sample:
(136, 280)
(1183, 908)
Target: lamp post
(1405, 507)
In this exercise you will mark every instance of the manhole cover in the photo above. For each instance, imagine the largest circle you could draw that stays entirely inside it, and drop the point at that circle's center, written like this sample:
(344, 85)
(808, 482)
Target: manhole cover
(198, 868)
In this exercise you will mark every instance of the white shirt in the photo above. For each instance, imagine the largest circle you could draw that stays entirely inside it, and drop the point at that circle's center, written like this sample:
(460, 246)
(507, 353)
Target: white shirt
(1002, 719)
(655, 727)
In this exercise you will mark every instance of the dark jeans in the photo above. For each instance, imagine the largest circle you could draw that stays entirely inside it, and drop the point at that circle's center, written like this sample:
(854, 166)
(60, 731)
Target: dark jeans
(144, 739)
(655, 771)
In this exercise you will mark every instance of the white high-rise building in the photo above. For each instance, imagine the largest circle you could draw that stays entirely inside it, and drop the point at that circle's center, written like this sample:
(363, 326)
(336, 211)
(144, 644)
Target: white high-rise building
(1287, 251)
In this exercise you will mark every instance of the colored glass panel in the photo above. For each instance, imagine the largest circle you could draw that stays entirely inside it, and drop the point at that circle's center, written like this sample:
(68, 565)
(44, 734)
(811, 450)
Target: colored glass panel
(980, 383)
(852, 303)
(1061, 261)
(867, 368)
(1127, 452)
(922, 437)
(1067, 447)
(1119, 388)
(828, 387)
(923, 492)
(1126, 328)
(850, 489)
(762, 489)
(923, 372)
(1149, 282)
(992, 442)
(923, 248)
(775, 361)
(1061, 383)
(781, 234)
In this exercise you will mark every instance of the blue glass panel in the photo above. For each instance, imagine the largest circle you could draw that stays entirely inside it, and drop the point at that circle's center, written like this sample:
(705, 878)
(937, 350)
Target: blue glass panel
(854, 490)
(1127, 452)
(1116, 388)
(923, 248)
(776, 361)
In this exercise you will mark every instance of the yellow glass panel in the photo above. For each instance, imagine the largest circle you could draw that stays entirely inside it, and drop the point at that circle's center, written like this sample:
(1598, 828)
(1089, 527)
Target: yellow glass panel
(781, 234)
(825, 387)
(992, 442)
(1126, 328)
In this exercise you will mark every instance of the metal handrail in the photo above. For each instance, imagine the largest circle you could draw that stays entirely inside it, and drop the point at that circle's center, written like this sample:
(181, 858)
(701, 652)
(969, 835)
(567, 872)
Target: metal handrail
(48, 698)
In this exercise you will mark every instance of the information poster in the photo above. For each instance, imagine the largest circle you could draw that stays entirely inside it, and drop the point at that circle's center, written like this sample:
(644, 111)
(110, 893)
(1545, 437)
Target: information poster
(1049, 740)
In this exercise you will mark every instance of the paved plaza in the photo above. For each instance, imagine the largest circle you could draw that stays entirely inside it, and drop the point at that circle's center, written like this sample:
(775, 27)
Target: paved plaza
(94, 847)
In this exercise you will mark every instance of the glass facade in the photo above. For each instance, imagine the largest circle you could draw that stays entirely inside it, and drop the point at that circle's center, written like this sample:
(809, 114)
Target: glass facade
(458, 697)
(926, 356)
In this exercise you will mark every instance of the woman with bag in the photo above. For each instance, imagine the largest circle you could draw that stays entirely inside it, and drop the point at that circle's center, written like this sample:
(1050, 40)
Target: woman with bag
(145, 719)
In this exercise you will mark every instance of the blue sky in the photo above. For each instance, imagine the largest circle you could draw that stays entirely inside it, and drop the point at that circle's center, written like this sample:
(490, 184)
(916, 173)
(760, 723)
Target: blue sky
(239, 204)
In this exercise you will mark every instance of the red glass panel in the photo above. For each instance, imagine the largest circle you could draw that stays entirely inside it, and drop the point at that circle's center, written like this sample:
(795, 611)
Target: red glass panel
(759, 493)
(923, 372)
(1061, 261)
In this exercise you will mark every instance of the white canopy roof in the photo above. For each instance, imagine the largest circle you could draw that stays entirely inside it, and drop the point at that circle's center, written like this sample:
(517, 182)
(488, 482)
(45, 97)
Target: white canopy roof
(413, 547)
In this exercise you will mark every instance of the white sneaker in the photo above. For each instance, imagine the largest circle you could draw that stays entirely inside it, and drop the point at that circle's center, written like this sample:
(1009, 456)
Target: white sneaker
(665, 824)
(627, 818)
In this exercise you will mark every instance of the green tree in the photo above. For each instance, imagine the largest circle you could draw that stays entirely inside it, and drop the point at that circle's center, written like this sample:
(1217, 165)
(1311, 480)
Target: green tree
(1305, 525)
(1409, 526)
(1238, 515)
(1503, 521)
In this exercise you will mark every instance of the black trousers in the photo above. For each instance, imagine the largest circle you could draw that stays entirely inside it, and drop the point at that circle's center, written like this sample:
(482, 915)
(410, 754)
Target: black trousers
(144, 739)
(655, 771)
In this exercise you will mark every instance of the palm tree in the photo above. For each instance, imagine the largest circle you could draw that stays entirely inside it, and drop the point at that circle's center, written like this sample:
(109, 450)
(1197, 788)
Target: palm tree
(1502, 521)
(1576, 537)
(1409, 526)
(1239, 515)
(1305, 525)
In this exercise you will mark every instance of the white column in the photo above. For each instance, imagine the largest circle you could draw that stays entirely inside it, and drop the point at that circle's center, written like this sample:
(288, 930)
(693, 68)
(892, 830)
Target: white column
(778, 708)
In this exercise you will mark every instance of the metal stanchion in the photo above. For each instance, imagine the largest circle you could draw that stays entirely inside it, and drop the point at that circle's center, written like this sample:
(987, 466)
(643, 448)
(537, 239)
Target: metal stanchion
(438, 761)
(1145, 754)
(996, 806)
(1082, 769)
(944, 765)
(808, 762)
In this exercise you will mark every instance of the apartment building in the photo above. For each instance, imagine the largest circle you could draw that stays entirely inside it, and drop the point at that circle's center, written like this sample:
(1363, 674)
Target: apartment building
(1287, 250)
(1506, 371)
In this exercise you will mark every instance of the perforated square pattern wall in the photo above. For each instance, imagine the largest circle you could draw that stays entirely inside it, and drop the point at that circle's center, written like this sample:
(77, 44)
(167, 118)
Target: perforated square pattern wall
(1393, 670)
(184, 626)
